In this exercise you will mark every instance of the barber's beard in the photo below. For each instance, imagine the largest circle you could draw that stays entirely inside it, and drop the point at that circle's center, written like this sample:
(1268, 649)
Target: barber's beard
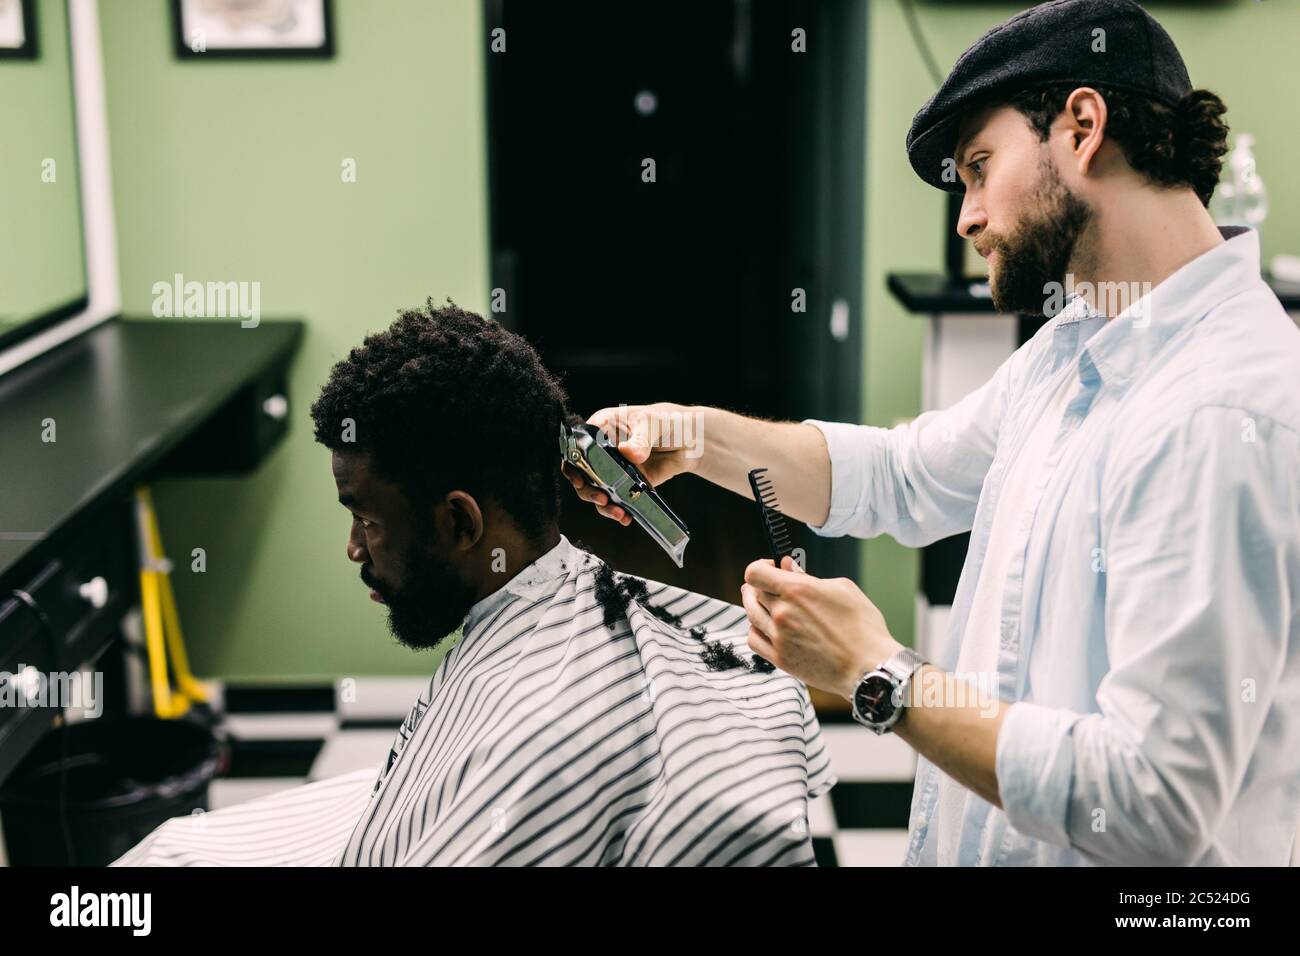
(1039, 250)
(431, 602)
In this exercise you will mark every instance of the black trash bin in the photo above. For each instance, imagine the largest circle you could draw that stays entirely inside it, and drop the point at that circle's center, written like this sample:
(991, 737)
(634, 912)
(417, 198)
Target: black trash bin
(124, 777)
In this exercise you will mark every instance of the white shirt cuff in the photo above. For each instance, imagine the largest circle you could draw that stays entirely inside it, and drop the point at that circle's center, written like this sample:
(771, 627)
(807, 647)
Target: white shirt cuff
(844, 444)
(1035, 766)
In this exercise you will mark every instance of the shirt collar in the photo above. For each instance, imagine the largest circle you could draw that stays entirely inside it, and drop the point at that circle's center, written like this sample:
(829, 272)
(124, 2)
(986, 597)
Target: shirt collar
(533, 581)
(1122, 346)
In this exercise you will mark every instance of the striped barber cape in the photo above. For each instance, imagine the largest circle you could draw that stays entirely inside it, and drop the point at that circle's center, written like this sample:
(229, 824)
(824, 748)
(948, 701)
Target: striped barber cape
(574, 723)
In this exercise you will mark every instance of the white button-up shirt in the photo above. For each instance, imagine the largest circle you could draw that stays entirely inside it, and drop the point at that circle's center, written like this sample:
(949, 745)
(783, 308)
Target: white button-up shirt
(1149, 628)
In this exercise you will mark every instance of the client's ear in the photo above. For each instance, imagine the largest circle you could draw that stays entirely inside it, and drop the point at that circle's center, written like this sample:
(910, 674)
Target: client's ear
(461, 519)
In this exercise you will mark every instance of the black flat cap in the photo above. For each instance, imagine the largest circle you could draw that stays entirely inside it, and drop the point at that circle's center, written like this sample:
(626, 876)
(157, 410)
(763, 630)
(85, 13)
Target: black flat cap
(1051, 43)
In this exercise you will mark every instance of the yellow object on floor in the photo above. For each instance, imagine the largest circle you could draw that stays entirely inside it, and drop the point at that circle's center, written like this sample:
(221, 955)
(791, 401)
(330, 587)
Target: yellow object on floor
(162, 624)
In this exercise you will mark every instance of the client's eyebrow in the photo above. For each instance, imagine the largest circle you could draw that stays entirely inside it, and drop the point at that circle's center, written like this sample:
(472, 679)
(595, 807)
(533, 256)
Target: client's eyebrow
(347, 500)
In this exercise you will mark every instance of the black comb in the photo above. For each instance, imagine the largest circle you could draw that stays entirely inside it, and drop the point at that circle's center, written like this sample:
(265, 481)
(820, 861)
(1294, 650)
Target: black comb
(778, 535)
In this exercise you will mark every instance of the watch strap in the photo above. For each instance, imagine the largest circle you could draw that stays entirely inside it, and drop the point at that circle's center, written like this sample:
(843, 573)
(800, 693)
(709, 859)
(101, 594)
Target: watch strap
(904, 664)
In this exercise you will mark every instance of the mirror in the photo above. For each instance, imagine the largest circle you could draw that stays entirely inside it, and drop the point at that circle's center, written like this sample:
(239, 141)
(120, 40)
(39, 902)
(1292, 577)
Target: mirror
(42, 256)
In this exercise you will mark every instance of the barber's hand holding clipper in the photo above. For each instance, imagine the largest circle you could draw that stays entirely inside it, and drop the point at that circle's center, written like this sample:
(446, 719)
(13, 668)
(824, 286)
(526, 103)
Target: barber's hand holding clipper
(645, 437)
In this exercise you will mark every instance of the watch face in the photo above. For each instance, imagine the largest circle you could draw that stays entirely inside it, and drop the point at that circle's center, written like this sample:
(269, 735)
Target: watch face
(874, 698)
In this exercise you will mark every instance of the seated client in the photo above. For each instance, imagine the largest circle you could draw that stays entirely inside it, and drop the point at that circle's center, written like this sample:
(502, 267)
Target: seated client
(583, 716)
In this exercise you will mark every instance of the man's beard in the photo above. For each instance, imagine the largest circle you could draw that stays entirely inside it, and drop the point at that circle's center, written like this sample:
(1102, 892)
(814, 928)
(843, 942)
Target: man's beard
(1039, 250)
(430, 603)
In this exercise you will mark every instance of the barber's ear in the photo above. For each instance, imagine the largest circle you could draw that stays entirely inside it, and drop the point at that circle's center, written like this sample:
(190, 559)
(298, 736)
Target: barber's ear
(1086, 114)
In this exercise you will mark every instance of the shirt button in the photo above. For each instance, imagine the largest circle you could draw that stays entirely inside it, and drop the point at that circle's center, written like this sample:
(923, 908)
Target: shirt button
(919, 821)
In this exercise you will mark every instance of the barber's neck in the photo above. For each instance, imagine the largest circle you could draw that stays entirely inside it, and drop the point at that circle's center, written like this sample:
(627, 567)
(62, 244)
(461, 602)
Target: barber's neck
(1139, 236)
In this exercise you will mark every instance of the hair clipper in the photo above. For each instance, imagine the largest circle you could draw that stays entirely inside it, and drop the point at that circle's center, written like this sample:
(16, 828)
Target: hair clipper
(589, 450)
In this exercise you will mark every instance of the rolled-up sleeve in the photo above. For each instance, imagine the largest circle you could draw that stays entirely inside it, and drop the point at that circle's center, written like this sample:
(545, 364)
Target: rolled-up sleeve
(1034, 765)
(1201, 540)
(919, 481)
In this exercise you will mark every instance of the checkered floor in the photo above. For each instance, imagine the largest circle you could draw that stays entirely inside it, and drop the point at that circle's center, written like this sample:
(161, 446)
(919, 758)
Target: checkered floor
(281, 737)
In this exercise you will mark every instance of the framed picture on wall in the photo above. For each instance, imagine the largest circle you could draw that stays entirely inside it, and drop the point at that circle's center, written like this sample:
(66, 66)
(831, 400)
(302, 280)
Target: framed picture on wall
(252, 28)
(18, 29)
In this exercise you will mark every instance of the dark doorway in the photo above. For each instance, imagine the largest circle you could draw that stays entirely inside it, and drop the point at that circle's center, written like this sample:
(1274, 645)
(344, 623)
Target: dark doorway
(681, 289)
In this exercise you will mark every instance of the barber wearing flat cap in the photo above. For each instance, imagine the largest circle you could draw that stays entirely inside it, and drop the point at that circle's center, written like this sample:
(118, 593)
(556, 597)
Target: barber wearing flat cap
(1120, 678)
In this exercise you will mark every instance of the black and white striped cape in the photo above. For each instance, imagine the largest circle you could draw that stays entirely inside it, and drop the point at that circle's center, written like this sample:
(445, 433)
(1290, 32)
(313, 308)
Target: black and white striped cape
(548, 738)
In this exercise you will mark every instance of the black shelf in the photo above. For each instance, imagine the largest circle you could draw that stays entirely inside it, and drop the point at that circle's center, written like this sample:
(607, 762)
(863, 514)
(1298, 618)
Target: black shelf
(928, 293)
(124, 395)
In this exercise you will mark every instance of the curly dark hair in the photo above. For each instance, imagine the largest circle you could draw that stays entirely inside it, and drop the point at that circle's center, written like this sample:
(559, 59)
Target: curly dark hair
(1172, 146)
(445, 399)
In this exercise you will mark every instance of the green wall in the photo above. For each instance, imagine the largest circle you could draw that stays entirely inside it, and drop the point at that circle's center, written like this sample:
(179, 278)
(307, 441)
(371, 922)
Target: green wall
(1243, 50)
(231, 171)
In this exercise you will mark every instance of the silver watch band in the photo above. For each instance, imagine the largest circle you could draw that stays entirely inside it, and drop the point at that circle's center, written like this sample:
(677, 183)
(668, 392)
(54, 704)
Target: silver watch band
(904, 664)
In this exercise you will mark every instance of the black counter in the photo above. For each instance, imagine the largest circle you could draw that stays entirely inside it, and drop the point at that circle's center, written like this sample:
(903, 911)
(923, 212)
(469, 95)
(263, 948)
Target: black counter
(126, 402)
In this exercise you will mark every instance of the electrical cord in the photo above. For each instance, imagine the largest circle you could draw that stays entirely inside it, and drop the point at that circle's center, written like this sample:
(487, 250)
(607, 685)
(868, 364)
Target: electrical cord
(26, 599)
(909, 12)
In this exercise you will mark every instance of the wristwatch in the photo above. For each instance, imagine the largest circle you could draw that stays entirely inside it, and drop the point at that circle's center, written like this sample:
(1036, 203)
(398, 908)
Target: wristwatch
(878, 699)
